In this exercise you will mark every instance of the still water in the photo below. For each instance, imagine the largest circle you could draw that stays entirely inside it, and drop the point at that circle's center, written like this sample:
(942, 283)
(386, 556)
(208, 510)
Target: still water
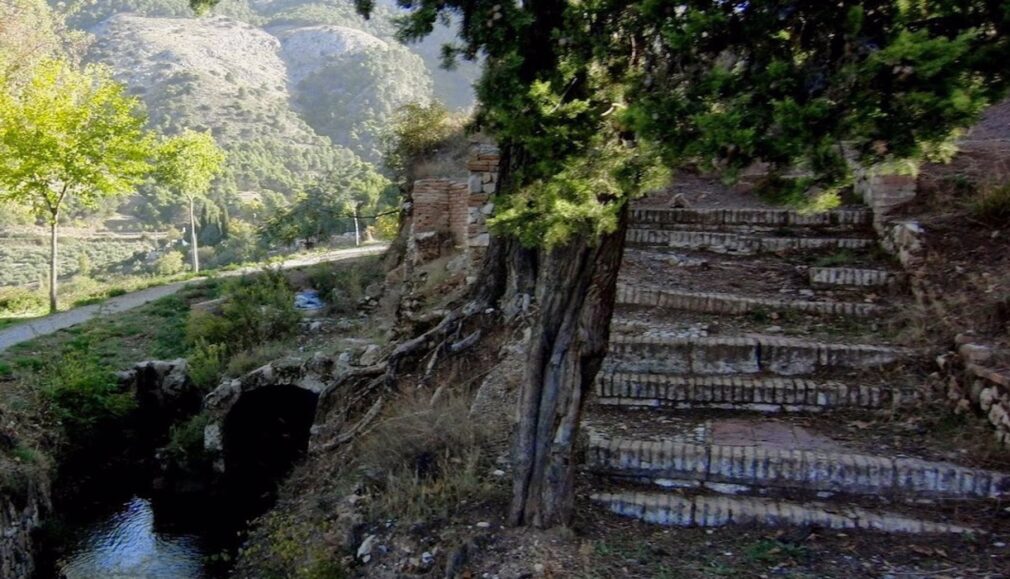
(128, 544)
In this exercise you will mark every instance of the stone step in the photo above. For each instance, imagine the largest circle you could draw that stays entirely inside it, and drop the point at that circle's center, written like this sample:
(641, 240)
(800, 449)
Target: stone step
(757, 468)
(718, 511)
(751, 354)
(859, 217)
(732, 304)
(851, 276)
(721, 242)
(734, 393)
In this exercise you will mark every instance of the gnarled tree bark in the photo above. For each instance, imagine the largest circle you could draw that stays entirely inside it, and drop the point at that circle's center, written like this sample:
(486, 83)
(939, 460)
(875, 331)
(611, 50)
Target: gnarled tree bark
(575, 293)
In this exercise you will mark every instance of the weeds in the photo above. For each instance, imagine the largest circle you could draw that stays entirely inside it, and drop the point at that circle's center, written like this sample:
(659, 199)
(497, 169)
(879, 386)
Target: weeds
(185, 441)
(992, 205)
(426, 461)
(83, 395)
(839, 258)
(206, 363)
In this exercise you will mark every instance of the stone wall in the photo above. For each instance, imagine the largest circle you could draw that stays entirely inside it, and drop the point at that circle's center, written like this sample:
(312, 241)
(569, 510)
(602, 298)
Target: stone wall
(20, 517)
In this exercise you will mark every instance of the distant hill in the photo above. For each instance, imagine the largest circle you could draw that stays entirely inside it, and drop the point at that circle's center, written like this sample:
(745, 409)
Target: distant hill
(291, 88)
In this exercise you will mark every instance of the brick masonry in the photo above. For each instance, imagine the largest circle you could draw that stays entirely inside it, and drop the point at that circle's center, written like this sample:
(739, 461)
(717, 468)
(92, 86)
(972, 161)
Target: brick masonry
(718, 511)
(719, 242)
(457, 210)
(769, 466)
(716, 303)
(763, 394)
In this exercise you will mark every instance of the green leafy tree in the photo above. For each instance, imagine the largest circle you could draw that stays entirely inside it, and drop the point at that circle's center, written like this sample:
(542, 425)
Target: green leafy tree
(70, 134)
(330, 206)
(31, 32)
(187, 163)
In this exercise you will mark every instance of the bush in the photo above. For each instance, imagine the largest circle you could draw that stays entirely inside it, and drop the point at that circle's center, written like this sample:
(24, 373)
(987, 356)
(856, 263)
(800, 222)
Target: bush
(83, 395)
(256, 310)
(248, 360)
(170, 263)
(17, 301)
(343, 286)
(992, 205)
(206, 363)
(185, 441)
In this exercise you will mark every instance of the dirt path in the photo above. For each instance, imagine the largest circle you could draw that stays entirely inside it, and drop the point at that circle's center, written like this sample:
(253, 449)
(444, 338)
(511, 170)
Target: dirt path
(60, 321)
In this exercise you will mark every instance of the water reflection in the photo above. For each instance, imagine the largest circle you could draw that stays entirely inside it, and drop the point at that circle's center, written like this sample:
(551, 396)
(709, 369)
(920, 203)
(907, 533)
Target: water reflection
(127, 545)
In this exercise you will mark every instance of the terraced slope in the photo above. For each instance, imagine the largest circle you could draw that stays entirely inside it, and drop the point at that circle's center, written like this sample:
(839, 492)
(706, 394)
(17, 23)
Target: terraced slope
(739, 337)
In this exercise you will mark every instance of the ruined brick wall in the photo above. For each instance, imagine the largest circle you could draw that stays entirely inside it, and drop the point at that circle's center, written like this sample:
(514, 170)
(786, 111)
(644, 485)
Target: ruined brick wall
(457, 211)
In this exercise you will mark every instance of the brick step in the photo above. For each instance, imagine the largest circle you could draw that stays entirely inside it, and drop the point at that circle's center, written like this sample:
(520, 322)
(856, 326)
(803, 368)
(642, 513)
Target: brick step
(849, 218)
(731, 304)
(852, 276)
(753, 354)
(734, 393)
(719, 511)
(760, 468)
(722, 242)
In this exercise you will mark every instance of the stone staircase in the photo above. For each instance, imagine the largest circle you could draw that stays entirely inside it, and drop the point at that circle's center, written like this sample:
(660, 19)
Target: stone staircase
(740, 340)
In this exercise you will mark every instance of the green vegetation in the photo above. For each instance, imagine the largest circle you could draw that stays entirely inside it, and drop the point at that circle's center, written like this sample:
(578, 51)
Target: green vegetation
(187, 163)
(329, 207)
(992, 205)
(343, 287)
(83, 395)
(65, 135)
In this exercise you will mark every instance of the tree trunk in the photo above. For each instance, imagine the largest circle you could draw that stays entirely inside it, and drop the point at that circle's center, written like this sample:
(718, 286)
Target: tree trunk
(575, 293)
(53, 256)
(357, 232)
(192, 236)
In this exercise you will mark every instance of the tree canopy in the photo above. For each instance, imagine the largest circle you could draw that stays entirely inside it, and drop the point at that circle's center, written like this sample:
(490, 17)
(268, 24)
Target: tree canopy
(188, 162)
(70, 134)
(328, 207)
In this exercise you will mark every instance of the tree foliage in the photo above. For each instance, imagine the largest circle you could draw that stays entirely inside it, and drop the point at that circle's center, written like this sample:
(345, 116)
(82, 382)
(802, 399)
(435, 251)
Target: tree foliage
(188, 162)
(70, 134)
(30, 33)
(328, 207)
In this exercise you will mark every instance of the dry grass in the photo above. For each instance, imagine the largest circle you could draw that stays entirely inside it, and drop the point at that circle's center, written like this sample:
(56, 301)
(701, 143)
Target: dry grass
(426, 461)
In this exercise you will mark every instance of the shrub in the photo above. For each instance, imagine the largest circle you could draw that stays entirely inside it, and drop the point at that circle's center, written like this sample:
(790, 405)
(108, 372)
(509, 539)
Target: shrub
(992, 205)
(83, 395)
(260, 309)
(206, 363)
(344, 285)
(248, 360)
(387, 226)
(20, 301)
(256, 310)
(185, 441)
(170, 263)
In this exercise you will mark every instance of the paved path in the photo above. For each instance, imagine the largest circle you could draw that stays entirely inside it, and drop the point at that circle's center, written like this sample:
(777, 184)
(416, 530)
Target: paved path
(49, 324)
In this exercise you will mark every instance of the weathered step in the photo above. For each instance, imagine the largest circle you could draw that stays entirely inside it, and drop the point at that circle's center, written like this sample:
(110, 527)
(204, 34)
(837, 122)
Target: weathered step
(753, 468)
(720, 242)
(759, 394)
(851, 276)
(719, 511)
(745, 355)
(756, 217)
(722, 303)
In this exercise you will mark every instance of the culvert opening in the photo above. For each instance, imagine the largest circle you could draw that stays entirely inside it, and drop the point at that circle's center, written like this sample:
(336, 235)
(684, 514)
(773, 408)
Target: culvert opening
(265, 434)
